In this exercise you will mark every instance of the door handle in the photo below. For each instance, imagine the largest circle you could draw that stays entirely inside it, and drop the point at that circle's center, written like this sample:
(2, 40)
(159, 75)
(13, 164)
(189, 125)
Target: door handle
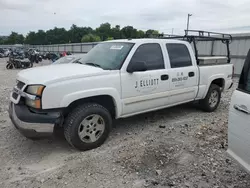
(191, 74)
(164, 77)
(242, 108)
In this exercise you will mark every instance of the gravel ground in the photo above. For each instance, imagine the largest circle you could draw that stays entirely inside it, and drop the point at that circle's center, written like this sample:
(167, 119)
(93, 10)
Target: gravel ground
(175, 147)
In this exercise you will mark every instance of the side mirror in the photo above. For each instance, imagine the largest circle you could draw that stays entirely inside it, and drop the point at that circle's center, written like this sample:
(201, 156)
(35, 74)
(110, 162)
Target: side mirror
(136, 66)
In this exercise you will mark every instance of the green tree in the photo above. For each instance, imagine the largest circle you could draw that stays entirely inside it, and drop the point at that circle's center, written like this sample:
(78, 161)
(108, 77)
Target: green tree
(41, 37)
(15, 38)
(91, 38)
(76, 33)
(30, 38)
(151, 33)
(110, 38)
(129, 32)
(36, 38)
(116, 32)
(57, 36)
(140, 34)
(104, 31)
(3, 39)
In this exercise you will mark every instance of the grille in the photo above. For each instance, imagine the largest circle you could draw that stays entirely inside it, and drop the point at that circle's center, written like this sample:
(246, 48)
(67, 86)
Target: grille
(20, 84)
(14, 95)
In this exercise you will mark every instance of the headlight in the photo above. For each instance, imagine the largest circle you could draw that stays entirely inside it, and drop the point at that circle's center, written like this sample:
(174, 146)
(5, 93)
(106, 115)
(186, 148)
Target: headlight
(35, 90)
(33, 103)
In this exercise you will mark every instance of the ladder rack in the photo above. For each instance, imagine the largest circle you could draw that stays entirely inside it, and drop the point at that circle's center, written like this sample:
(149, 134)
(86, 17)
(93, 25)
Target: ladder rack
(192, 36)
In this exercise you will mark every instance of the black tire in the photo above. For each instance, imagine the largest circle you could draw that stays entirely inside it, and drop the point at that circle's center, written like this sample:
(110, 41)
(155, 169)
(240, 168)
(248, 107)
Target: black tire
(73, 123)
(9, 66)
(205, 103)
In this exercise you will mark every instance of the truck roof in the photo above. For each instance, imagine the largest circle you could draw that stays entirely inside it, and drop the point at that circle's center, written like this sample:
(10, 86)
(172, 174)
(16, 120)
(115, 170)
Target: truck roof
(144, 40)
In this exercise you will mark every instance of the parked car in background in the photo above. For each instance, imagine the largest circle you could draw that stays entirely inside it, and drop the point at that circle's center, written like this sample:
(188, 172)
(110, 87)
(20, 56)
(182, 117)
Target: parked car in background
(69, 59)
(51, 56)
(17, 54)
(34, 56)
(239, 119)
(117, 79)
(7, 52)
(2, 53)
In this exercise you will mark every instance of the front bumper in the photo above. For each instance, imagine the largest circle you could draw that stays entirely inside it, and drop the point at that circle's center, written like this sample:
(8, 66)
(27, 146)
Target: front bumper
(32, 125)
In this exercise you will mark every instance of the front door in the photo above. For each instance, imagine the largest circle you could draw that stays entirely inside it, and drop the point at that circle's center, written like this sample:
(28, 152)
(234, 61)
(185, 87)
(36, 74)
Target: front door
(144, 91)
(239, 119)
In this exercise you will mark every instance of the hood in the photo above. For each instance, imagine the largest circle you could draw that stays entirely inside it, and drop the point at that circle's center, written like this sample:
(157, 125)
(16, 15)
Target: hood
(50, 74)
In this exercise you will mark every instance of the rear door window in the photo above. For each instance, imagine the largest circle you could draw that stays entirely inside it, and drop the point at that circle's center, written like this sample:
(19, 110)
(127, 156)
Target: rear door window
(178, 55)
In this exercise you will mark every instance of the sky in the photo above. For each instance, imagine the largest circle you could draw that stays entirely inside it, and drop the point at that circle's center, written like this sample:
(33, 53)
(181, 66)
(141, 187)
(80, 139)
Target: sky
(22, 16)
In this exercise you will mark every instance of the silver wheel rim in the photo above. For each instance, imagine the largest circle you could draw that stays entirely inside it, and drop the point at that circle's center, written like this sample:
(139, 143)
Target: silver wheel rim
(91, 128)
(214, 98)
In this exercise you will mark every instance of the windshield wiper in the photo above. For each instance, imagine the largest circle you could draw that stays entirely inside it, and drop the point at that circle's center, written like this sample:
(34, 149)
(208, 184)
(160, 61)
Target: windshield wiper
(78, 62)
(93, 64)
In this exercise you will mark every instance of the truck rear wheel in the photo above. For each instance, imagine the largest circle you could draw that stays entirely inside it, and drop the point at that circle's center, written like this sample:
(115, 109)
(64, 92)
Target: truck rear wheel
(87, 126)
(212, 99)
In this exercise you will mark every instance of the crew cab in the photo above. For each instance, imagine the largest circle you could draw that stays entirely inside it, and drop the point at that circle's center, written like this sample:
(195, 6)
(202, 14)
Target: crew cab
(239, 118)
(116, 79)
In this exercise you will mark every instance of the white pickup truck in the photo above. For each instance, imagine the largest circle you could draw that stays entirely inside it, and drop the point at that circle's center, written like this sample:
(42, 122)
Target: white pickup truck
(116, 79)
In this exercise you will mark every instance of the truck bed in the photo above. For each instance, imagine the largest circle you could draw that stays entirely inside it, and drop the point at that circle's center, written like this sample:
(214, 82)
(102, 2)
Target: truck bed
(209, 73)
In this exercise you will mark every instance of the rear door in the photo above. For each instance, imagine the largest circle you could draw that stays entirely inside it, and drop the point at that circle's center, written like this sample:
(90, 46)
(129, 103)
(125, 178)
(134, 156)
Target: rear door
(183, 73)
(239, 119)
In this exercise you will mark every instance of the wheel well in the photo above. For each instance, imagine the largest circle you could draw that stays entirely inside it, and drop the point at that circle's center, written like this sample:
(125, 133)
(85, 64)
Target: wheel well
(104, 100)
(219, 82)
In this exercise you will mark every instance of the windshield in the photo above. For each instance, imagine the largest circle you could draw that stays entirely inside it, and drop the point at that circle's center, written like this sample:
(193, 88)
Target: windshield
(64, 60)
(108, 56)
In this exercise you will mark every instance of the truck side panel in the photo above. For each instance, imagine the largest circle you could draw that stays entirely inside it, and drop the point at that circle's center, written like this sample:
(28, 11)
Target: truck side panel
(210, 73)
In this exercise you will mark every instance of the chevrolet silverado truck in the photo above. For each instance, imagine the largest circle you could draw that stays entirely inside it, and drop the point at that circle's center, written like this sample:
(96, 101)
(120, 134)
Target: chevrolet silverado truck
(117, 79)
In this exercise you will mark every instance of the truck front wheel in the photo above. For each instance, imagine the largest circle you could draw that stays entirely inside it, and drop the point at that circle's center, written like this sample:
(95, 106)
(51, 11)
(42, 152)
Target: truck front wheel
(87, 126)
(212, 99)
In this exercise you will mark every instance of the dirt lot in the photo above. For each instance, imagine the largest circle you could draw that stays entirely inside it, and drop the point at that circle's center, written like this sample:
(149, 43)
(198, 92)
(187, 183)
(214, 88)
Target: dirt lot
(176, 147)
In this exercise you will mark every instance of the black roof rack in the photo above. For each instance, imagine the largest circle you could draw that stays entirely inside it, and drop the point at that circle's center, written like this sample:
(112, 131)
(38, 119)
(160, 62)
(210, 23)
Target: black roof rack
(208, 35)
(199, 35)
(168, 35)
(192, 36)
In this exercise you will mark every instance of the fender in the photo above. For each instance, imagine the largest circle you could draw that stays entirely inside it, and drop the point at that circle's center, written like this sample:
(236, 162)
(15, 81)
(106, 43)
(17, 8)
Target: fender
(211, 79)
(68, 99)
